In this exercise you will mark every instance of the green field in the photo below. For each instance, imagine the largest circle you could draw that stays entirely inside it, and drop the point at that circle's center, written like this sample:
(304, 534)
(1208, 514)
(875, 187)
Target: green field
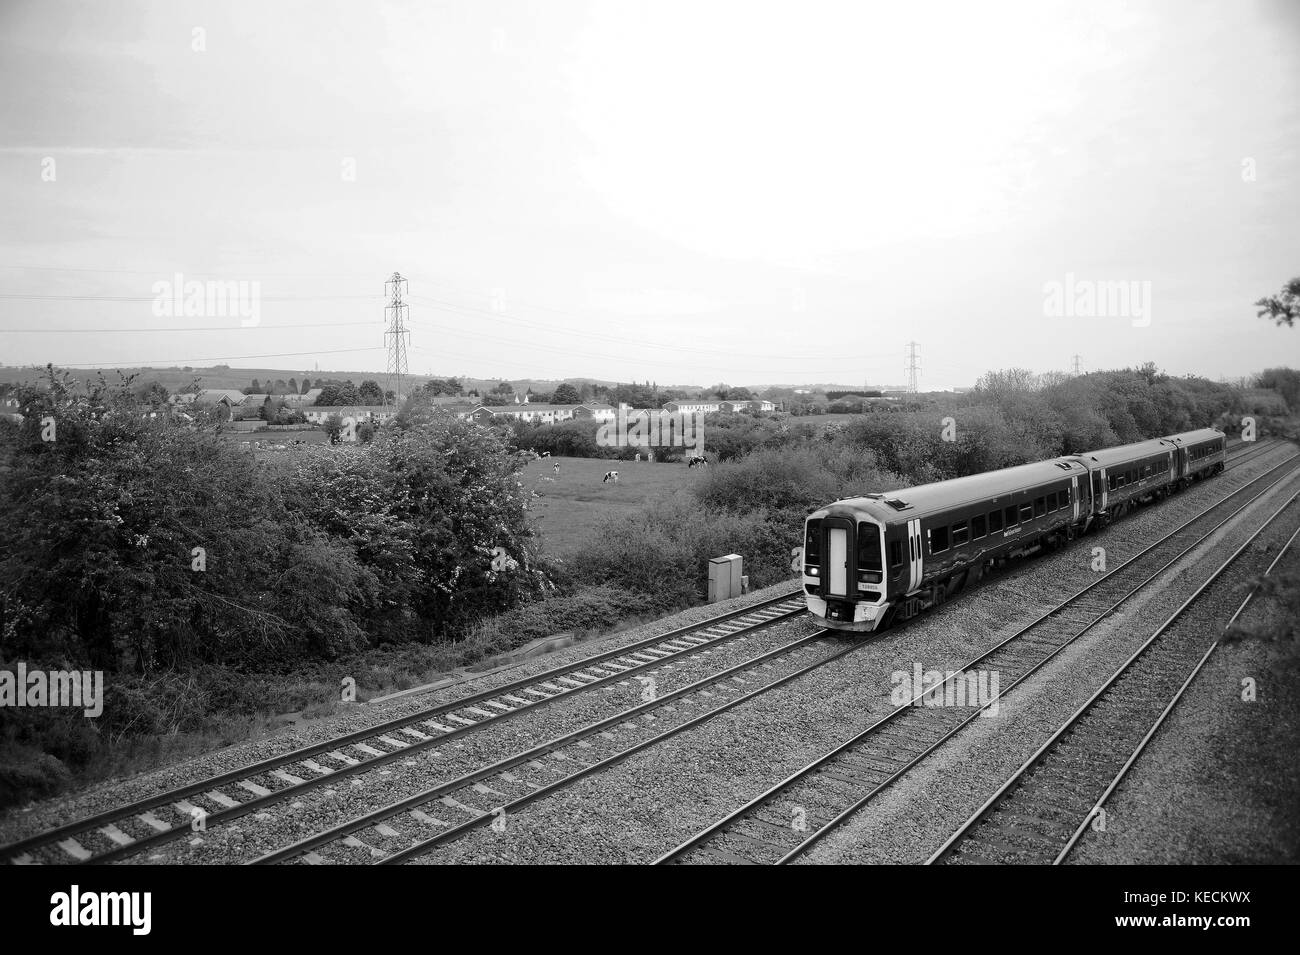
(573, 501)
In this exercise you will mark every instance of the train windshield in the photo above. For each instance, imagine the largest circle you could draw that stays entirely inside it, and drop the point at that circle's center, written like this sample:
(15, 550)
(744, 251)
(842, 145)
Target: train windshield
(812, 545)
(870, 565)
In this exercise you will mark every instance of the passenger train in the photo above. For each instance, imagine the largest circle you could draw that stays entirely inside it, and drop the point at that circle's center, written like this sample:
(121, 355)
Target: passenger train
(879, 559)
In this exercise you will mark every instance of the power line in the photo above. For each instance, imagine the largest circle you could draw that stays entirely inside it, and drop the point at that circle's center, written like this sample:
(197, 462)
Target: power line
(39, 297)
(192, 328)
(195, 361)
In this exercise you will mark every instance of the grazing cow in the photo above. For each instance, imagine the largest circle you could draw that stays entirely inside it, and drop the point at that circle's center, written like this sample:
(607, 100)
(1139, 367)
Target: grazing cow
(697, 460)
(610, 476)
(557, 467)
(545, 454)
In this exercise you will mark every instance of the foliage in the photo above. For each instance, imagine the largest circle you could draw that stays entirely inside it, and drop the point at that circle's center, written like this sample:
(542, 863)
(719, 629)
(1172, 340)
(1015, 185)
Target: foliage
(566, 394)
(1283, 308)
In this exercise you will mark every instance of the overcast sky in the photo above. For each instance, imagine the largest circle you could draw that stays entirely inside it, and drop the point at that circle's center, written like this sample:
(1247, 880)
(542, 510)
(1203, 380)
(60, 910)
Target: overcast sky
(693, 192)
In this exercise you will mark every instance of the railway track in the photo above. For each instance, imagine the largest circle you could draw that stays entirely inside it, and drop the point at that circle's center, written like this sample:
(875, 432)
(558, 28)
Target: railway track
(782, 823)
(146, 823)
(414, 826)
(1040, 814)
(1244, 451)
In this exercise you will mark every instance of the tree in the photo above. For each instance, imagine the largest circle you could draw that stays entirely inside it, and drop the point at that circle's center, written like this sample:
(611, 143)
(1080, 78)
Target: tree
(254, 388)
(504, 389)
(1283, 308)
(99, 532)
(293, 387)
(440, 386)
(1285, 381)
(566, 394)
(370, 393)
(334, 396)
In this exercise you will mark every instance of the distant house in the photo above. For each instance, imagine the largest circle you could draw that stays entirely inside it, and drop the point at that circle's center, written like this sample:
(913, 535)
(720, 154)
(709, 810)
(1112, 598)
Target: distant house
(601, 412)
(379, 414)
(226, 396)
(749, 405)
(543, 414)
(693, 405)
(223, 401)
(308, 397)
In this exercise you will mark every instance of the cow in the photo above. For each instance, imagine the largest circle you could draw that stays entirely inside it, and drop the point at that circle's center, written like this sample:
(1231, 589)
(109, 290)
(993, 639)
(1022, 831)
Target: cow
(697, 460)
(610, 476)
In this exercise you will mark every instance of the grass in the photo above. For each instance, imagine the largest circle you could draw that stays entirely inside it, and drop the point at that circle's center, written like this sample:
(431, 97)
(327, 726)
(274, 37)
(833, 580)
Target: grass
(574, 500)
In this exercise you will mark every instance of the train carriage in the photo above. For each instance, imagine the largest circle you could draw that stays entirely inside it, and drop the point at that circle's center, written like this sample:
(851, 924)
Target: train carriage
(1198, 454)
(874, 559)
(1131, 474)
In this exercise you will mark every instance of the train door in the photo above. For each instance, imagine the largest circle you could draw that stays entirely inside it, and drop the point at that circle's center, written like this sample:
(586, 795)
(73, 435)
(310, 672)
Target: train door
(914, 554)
(898, 557)
(1074, 494)
(836, 573)
(1100, 489)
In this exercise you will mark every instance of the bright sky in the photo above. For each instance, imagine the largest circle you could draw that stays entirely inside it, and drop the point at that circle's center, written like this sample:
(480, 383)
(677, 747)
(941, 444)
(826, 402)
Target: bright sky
(684, 192)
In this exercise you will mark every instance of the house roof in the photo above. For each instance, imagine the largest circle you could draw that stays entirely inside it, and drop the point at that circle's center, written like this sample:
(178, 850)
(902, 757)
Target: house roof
(523, 409)
(210, 396)
(344, 410)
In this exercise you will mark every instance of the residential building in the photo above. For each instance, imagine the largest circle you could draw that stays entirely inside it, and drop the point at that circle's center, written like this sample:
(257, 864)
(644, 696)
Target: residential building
(693, 405)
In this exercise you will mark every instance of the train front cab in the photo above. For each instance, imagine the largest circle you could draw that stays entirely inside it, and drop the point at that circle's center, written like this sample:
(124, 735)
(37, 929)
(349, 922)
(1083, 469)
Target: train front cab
(844, 567)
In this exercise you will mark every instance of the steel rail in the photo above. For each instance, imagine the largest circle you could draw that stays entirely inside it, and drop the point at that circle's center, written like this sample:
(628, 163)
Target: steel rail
(945, 850)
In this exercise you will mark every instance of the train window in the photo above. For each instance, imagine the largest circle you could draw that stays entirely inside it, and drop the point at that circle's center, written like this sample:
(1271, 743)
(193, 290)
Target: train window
(995, 521)
(960, 533)
(895, 554)
(938, 540)
(1065, 497)
(1040, 506)
(1051, 502)
(869, 568)
(1012, 518)
(1110, 481)
(978, 528)
(812, 546)
(1026, 512)
(911, 547)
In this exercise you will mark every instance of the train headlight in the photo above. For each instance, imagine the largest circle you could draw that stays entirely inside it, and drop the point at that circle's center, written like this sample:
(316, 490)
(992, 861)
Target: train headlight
(812, 572)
